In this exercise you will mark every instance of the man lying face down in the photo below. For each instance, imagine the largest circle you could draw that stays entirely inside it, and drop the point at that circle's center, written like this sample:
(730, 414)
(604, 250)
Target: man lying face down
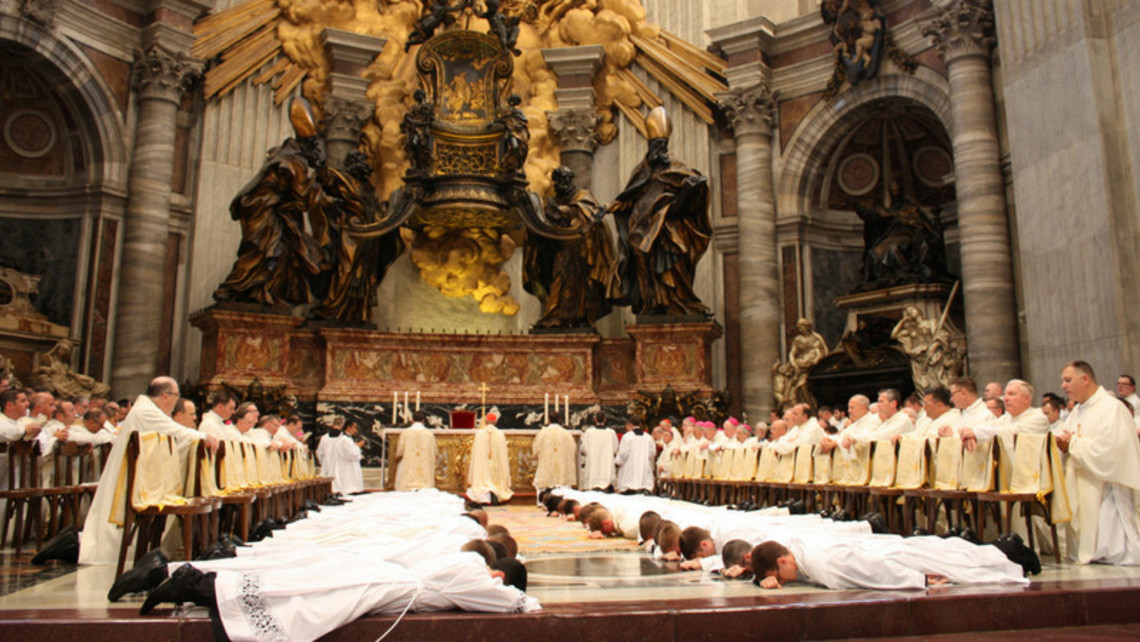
(880, 562)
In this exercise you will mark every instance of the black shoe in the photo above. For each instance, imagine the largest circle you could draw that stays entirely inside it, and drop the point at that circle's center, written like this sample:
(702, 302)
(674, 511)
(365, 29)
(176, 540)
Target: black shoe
(919, 532)
(262, 530)
(301, 514)
(841, 515)
(1018, 553)
(187, 584)
(148, 572)
(310, 505)
(494, 499)
(64, 546)
(277, 524)
(953, 531)
(217, 551)
(878, 524)
(795, 506)
(969, 535)
(232, 540)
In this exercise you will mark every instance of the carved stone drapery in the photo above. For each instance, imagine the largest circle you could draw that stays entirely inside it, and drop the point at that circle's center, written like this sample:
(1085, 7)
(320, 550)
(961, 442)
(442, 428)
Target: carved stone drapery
(164, 74)
(749, 109)
(965, 27)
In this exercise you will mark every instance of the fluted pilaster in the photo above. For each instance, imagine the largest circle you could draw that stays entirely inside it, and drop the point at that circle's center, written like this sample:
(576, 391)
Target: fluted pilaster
(963, 32)
(751, 112)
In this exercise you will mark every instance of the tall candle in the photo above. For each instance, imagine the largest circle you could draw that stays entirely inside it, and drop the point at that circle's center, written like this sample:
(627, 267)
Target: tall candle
(417, 401)
(567, 408)
(395, 405)
(546, 409)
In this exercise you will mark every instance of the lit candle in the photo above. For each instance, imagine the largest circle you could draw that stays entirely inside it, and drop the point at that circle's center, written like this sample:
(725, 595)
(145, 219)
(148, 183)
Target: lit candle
(395, 405)
(406, 401)
(417, 401)
(546, 409)
(567, 409)
(556, 405)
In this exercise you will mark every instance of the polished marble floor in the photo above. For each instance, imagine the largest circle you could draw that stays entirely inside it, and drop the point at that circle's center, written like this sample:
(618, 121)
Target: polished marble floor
(625, 589)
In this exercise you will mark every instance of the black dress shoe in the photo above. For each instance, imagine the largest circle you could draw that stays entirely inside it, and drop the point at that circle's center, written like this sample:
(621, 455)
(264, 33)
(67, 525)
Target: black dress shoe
(311, 505)
(187, 584)
(796, 507)
(1015, 549)
(232, 540)
(217, 551)
(878, 524)
(148, 572)
(969, 535)
(262, 530)
(301, 514)
(64, 546)
(841, 515)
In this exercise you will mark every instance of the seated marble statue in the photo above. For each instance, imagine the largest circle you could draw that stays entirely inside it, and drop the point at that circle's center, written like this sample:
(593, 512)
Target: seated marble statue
(55, 374)
(663, 226)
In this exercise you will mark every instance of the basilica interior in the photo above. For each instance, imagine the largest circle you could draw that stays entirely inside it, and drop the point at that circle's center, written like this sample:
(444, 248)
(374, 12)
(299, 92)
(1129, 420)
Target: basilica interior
(640, 208)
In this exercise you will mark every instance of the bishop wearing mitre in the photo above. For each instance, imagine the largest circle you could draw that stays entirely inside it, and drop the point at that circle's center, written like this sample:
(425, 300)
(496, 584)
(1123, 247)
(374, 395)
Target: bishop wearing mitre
(489, 476)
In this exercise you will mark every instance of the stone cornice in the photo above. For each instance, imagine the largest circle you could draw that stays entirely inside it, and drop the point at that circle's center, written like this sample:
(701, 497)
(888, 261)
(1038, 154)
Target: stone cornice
(93, 28)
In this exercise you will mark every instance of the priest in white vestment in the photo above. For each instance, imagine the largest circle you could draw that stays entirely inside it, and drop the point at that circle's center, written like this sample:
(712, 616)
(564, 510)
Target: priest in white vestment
(489, 474)
(964, 394)
(556, 452)
(1020, 417)
(802, 430)
(894, 422)
(416, 453)
(860, 422)
(13, 407)
(597, 449)
(635, 460)
(103, 531)
(1102, 472)
(939, 415)
(350, 476)
(216, 420)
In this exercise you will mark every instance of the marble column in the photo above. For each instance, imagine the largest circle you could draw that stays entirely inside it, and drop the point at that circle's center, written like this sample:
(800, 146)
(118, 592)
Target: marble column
(161, 78)
(963, 32)
(574, 125)
(751, 112)
(346, 108)
(575, 132)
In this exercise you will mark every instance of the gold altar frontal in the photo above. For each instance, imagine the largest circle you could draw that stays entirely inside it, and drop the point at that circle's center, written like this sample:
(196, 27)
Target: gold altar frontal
(454, 456)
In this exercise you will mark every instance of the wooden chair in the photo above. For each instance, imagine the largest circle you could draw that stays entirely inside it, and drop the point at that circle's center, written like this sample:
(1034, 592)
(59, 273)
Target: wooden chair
(148, 520)
(856, 475)
(802, 484)
(23, 495)
(882, 495)
(236, 502)
(74, 465)
(1036, 472)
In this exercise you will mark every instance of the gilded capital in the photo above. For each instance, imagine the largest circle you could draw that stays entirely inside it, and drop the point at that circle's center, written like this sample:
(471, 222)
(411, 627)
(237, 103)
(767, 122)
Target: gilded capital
(749, 109)
(574, 129)
(962, 28)
(343, 118)
(164, 74)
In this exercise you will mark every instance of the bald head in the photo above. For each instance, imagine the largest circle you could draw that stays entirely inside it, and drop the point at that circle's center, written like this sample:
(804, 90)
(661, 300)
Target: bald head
(163, 391)
(858, 406)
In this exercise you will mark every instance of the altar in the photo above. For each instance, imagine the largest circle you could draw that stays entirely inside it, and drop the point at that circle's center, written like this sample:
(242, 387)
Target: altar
(455, 454)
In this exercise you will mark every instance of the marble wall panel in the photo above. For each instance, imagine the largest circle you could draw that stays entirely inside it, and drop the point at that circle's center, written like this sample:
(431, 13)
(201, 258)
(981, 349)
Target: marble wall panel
(834, 273)
(47, 248)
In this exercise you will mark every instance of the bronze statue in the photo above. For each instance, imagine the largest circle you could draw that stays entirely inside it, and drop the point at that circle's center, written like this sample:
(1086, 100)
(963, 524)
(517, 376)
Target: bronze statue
(902, 242)
(505, 28)
(277, 257)
(437, 13)
(570, 276)
(663, 229)
(417, 134)
(516, 140)
(361, 260)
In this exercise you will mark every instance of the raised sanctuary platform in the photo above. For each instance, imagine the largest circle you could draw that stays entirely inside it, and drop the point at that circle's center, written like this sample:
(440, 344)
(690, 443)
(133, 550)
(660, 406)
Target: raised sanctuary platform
(621, 595)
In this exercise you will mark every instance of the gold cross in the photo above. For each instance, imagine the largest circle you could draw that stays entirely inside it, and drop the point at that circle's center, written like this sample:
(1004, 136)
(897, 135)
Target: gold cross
(483, 389)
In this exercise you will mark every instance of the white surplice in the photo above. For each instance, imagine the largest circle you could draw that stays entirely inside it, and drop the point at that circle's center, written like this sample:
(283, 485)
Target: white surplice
(597, 449)
(635, 460)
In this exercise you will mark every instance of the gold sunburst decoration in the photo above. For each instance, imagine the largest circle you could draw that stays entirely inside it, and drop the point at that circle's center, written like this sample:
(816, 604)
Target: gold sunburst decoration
(277, 42)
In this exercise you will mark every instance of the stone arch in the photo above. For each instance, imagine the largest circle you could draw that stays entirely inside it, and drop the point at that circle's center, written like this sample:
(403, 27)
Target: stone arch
(808, 150)
(105, 119)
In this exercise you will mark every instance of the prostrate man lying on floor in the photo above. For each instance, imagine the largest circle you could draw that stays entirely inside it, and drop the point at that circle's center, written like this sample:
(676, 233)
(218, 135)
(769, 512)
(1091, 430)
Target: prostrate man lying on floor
(880, 562)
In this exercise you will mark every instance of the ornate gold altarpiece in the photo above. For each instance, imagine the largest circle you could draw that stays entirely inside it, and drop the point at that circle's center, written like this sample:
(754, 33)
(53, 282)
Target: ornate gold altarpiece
(455, 455)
